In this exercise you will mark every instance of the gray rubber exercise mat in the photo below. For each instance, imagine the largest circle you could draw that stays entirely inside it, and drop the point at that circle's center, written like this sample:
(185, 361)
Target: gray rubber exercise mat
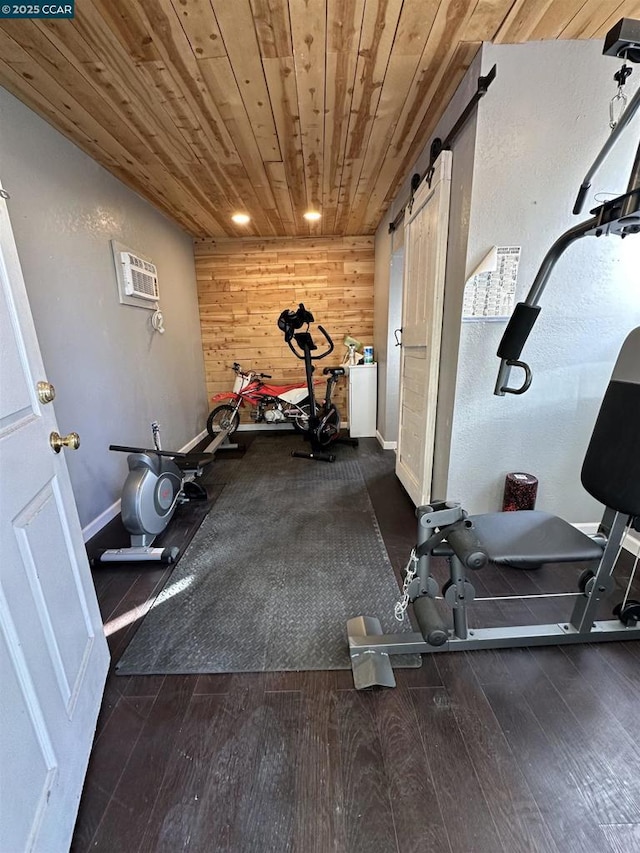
(289, 552)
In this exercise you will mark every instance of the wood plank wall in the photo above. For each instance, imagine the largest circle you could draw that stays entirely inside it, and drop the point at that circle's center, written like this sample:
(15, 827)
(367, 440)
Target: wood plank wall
(243, 285)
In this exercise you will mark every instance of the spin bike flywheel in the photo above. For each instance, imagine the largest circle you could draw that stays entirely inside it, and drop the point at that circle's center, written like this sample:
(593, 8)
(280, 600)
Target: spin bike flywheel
(328, 429)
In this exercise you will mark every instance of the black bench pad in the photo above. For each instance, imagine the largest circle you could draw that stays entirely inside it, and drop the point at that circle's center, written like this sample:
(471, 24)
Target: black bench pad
(528, 539)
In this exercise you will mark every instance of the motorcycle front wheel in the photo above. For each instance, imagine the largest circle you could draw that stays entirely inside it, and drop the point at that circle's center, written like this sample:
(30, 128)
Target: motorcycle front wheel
(222, 418)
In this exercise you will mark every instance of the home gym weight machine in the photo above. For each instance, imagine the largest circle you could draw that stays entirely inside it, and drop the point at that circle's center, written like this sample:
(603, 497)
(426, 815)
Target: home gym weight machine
(324, 422)
(528, 539)
(157, 482)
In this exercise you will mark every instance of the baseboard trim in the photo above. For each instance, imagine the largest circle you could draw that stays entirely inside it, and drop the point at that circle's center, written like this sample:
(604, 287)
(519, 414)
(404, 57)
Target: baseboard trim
(98, 523)
(630, 543)
(386, 445)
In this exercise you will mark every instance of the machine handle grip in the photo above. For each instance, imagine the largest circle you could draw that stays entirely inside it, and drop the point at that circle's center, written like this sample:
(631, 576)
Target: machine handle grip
(265, 376)
(513, 340)
(518, 330)
(467, 546)
(581, 198)
(502, 388)
(327, 337)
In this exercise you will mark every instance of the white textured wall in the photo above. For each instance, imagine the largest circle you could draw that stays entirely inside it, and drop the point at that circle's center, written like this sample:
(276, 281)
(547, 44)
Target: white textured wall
(539, 128)
(113, 376)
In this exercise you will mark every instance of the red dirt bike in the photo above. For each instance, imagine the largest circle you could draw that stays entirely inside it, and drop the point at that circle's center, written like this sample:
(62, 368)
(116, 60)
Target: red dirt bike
(273, 403)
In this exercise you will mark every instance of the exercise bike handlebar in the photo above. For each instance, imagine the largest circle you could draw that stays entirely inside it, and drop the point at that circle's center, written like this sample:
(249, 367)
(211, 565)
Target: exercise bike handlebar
(301, 356)
(329, 341)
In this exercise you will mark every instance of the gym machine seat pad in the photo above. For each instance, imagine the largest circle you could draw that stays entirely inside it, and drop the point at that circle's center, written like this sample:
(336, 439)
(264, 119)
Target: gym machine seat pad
(528, 539)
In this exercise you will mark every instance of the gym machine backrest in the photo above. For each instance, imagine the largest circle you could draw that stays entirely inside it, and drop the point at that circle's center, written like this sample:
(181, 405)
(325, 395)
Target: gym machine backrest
(611, 468)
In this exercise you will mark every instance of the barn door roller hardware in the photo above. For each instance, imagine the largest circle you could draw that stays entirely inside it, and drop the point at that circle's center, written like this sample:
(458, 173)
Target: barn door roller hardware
(439, 145)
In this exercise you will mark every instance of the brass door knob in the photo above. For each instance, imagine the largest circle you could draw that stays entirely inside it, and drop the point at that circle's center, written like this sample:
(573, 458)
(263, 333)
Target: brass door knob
(46, 392)
(58, 441)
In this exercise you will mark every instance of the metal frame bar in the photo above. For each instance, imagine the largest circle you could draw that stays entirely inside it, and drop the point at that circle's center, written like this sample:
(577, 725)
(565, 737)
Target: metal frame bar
(585, 608)
(516, 636)
(625, 118)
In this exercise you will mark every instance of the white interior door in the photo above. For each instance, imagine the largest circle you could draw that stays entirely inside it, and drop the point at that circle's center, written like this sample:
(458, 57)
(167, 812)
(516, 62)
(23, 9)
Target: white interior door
(53, 654)
(426, 232)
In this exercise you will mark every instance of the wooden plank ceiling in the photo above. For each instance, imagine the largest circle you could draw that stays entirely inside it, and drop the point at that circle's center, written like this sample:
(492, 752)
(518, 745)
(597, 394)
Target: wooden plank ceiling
(269, 107)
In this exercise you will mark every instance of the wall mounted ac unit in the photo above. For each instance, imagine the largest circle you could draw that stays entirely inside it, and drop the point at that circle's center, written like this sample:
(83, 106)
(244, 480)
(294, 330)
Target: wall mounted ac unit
(140, 277)
(137, 278)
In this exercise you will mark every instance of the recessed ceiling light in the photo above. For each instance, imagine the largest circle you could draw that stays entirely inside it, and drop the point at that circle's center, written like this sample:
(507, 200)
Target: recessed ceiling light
(312, 215)
(241, 218)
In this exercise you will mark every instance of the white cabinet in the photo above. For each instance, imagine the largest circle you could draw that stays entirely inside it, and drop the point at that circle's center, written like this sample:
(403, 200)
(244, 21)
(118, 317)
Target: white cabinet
(363, 388)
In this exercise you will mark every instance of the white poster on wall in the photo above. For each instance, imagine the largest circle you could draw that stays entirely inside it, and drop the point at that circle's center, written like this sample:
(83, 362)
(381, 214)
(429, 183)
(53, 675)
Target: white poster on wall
(490, 291)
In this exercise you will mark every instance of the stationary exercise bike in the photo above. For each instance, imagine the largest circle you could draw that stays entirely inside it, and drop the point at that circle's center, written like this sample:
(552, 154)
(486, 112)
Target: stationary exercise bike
(324, 421)
(158, 481)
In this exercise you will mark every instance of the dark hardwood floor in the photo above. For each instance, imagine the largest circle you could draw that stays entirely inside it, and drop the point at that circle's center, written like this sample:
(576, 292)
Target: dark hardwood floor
(475, 752)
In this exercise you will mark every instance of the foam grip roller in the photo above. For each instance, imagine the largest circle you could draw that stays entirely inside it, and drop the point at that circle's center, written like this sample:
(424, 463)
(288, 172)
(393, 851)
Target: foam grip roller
(467, 547)
(429, 621)
(518, 330)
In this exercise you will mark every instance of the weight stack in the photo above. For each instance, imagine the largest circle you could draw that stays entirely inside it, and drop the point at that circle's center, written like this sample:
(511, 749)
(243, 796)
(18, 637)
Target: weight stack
(520, 492)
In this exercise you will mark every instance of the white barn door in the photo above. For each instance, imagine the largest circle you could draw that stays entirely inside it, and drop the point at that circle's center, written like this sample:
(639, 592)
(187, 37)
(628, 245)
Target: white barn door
(53, 654)
(426, 232)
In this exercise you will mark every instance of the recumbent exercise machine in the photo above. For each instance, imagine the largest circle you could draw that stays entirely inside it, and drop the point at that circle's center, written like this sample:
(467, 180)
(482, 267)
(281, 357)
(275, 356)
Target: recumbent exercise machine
(157, 482)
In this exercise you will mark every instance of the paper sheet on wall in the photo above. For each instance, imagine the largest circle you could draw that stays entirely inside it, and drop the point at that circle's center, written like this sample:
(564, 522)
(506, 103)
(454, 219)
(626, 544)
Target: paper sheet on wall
(490, 291)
